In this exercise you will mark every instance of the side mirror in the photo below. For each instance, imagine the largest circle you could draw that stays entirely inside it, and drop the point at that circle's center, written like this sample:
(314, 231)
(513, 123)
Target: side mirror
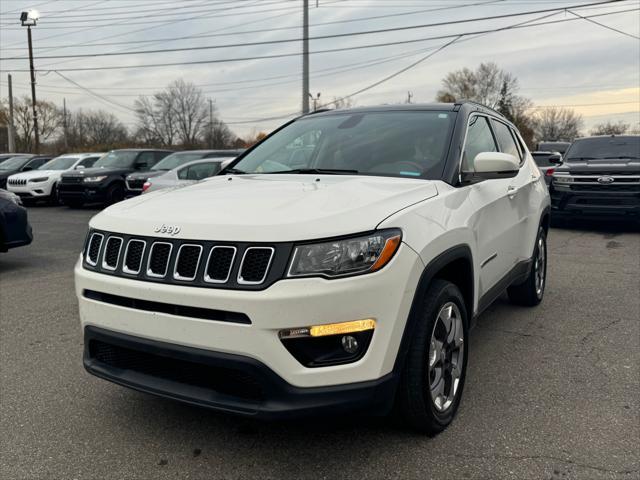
(79, 167)
(140, 166)
(488, 165)
(27, 169)
(555, 159)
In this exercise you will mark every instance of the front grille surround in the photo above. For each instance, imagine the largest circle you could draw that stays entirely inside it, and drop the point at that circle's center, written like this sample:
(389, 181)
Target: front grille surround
(105, 257)
(218, 265)
(150, 260)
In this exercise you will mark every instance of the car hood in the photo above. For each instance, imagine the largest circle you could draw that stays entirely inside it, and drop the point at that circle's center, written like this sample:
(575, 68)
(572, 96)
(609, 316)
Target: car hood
(94, 172)
(600, 166)
(145, 175)
(37, 174)
(271, 208)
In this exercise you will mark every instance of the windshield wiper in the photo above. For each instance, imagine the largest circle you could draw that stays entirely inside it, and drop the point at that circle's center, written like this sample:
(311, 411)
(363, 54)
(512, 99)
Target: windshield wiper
(324, 171)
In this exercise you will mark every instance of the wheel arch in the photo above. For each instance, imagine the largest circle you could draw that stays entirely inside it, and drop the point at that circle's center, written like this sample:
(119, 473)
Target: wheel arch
(454, 265)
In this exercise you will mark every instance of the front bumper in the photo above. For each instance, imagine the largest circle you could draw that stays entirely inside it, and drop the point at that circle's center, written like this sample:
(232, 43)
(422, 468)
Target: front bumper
(594, 203)
(82, 193)
(32, 190)
(385, 295)
(231, 383)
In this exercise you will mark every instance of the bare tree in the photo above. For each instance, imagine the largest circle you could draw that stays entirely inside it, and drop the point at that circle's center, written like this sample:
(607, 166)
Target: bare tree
(218, 135)
(49, 122)
(156, 123)
(610, 128)
(190, 111)
(558, 124)
(484, 85)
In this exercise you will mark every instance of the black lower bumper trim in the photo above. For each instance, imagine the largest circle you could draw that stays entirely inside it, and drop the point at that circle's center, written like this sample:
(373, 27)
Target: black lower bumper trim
(230, 383)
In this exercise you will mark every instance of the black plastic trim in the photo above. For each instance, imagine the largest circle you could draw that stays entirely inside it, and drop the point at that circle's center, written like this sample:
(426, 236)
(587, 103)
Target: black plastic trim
(279, 398)
(172, 309)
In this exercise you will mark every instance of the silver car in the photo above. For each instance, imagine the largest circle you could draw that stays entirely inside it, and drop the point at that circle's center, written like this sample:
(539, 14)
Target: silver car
(187, 174)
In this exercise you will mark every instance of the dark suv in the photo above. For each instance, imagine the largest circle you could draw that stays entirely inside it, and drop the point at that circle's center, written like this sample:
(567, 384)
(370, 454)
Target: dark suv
(600, 176)
(105, 182)
(20, 163)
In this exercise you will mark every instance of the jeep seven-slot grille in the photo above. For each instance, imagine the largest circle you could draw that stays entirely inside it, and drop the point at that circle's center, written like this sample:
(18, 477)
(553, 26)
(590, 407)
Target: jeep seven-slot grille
(191, 262)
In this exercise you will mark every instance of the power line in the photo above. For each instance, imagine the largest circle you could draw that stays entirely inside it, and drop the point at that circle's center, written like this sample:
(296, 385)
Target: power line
(603, 25)
(333, 50)
(318, 37)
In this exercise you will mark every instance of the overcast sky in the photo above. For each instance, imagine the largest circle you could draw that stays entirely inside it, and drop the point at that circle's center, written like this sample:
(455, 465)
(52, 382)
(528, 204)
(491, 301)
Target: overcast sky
(572, 63)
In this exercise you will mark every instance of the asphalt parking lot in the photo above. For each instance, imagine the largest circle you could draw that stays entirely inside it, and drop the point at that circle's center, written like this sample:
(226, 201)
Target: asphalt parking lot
(552, 392)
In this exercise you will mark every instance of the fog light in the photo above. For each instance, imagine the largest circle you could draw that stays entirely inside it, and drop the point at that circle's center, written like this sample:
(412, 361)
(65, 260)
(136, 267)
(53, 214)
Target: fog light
(349, 344)
(329, 344)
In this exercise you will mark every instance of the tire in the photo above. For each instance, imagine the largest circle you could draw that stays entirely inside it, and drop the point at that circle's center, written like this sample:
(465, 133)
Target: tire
(425, 370)
(530, 292)
(115, 194)
(53, 197)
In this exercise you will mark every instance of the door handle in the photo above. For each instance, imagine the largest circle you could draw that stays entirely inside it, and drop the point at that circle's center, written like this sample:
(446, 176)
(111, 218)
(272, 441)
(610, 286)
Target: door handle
(512, 191)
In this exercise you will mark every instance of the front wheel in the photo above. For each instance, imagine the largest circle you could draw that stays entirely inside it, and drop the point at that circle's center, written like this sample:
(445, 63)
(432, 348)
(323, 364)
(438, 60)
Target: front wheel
(53, 197)
(530, 292)
(433, 377)
(115, 194)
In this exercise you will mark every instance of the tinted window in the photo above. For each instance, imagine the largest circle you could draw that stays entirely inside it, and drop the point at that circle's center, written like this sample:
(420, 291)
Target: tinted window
(176, 159)
(505, 139)
(117, 159)
(145, 161)
(60, 163)
(160, 155)
(392, 143)
(89, 161)
(36, 163)
(479, 139)
(604, 148)
(542, 158)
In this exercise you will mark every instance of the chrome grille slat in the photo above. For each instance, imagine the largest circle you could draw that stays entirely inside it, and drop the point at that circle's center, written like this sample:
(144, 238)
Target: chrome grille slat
(111, 255)
(254, 271)
(187, 262)
(220, 270)
(159, 256)
(93, 249)
(133, 255)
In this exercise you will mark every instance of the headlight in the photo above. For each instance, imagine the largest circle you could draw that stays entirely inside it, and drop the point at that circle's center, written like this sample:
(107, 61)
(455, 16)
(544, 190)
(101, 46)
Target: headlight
(346, 256)
(95, 179)
(39, 179)
(562, 179)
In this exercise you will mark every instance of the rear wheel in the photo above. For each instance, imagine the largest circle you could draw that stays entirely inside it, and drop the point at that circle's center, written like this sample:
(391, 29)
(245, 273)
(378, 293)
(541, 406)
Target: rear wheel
(433, 377)
(531, 291)
(53, 196)
(115, 194)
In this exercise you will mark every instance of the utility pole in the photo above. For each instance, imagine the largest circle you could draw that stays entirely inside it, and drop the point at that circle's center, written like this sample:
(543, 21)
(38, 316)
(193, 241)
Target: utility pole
(29, 19)
(11, 129)
(64, 124)
(210, 123)
(305, 57)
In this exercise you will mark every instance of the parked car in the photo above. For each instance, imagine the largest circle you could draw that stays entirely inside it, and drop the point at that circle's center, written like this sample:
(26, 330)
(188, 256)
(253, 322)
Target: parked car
(20, 163)
(6, 156)
(42, 183)
(600, 177)
(187, 174)
(547, 163)
(105, 182)
(560, 147)
(136, 181)
(15, 230)
(295, 284)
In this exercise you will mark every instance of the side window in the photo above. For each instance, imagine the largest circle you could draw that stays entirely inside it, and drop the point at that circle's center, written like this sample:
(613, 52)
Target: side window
(145, 161)
(479, 139)
(182, 173)
(88, 162)
(505, 139)
(159, 156)
(33, 164)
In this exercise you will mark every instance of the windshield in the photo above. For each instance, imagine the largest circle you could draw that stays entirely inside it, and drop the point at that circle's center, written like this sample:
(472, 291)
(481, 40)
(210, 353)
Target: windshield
(14, 163)
(60, 163)
(601, 148)
(393, 143)
(176, 159)
(117, 158)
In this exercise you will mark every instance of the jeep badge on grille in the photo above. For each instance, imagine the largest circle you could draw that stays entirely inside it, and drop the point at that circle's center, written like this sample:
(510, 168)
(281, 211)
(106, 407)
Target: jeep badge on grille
(169, 229)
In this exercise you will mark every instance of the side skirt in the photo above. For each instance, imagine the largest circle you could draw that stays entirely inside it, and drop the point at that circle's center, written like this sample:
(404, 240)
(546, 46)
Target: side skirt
(518, 274)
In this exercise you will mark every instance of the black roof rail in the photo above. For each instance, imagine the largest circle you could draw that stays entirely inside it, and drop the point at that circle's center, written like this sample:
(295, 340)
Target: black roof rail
(461, 102)
(320, 110)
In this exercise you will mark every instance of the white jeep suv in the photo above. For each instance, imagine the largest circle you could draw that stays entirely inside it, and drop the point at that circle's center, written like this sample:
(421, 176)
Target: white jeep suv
(42, 183)
(338, 265)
